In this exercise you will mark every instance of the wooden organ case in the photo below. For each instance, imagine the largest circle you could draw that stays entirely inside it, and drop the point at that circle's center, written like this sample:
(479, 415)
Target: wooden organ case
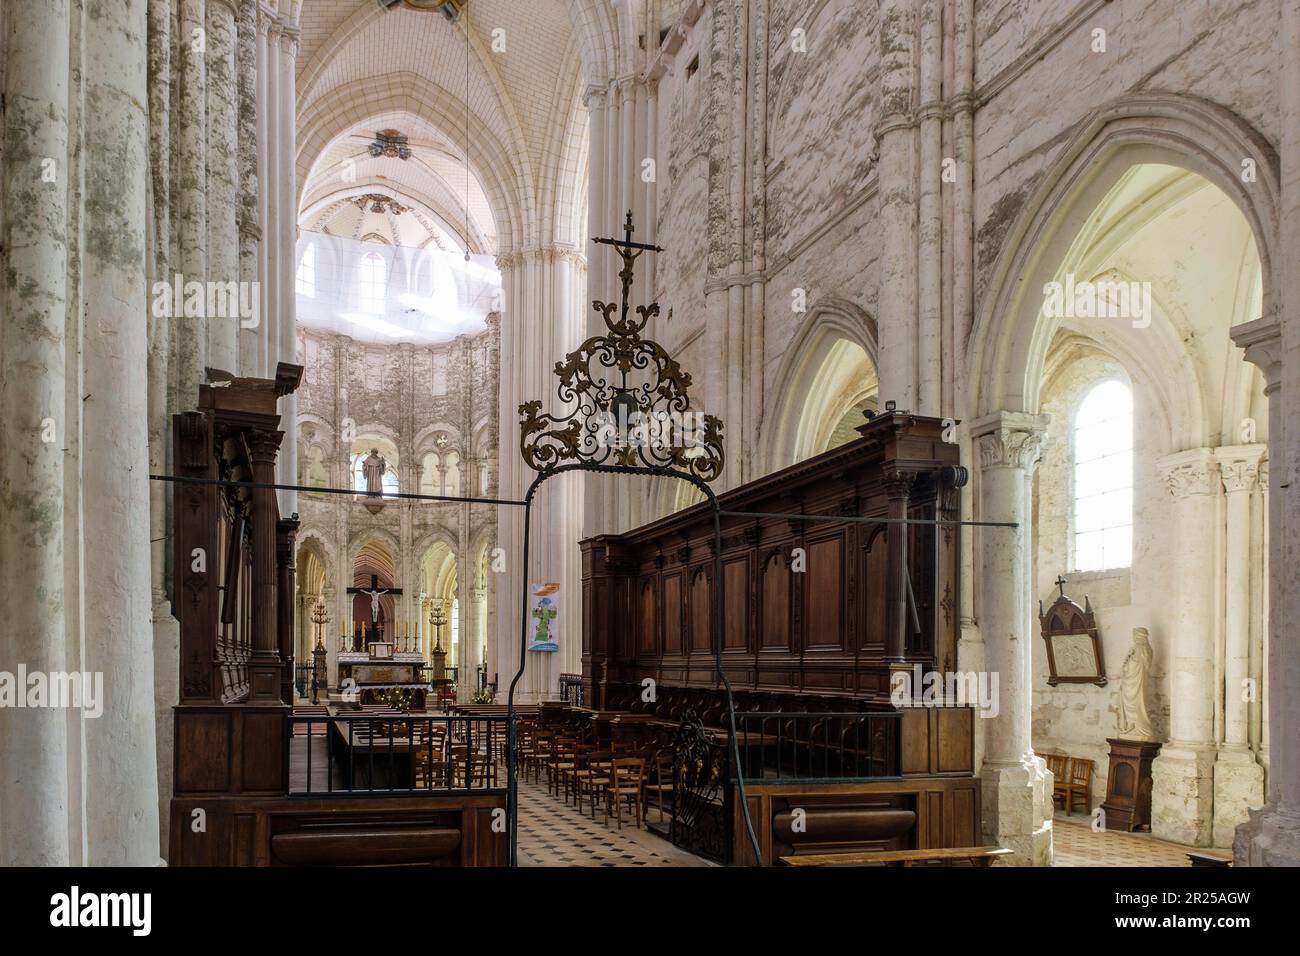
(233, 580)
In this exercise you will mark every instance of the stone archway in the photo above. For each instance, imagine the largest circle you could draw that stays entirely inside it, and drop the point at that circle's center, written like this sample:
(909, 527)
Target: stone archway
(1001, 396)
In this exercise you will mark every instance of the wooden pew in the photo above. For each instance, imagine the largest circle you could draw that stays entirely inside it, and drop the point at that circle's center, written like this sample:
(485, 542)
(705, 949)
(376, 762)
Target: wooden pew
(980, 856)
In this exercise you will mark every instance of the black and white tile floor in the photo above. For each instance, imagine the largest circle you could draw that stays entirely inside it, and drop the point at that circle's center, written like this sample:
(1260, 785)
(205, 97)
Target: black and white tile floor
(553, 833)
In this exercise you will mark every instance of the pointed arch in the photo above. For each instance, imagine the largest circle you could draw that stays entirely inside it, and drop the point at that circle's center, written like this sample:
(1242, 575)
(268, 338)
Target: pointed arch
(1009, 343)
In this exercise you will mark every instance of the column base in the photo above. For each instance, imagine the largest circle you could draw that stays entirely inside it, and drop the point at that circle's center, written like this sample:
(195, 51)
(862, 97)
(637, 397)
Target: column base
(1238, 788)
(1016, 806)
(1182, 794)
(1271, 837)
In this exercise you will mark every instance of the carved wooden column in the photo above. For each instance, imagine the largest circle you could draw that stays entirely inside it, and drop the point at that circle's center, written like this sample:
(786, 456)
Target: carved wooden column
(265, 667)
(898, 614)
(286, 536)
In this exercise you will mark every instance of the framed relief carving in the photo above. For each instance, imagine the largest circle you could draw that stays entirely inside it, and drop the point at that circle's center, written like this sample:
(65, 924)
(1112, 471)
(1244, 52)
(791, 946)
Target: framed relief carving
(1074, 653)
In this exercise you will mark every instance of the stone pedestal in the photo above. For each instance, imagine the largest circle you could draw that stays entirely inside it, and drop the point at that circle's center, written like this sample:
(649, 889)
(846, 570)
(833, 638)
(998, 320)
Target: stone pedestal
(1182, 794)
(1128, 784)
(1238, 788)
(1016, 810)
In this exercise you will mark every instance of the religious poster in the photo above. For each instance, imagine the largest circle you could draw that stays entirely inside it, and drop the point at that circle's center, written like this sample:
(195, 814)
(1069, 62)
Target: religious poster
(544, 618)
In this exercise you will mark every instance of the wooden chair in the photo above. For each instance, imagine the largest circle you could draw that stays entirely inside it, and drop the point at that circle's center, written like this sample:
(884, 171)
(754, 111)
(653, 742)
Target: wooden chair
(431, 756)
(626, 779)
(593, 778)
(1058, 764)
(570, 775)
(662, 785)
(1078, 784)
(559, 762)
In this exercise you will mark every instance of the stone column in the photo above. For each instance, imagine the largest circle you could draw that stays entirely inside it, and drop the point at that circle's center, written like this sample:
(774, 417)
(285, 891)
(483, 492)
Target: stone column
(252, 354)
(1182, 789)
(1271, 837)
(222, 176)
(33, 427)
(896, 135)
(1016, 789)
(121, 798)
(267, 54)
(1238, 777)
(286, 329)
(190, 343)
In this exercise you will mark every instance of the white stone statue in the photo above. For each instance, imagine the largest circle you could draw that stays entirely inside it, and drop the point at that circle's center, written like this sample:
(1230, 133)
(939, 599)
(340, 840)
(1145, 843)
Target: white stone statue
(1132, 719)
(374, 467)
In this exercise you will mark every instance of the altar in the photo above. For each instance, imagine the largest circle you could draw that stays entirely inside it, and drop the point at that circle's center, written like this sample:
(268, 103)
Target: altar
(374, 679)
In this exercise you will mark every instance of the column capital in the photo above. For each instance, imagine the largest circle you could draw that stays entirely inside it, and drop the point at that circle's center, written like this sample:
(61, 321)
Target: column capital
(1239, 466)
(265, 445)
(1010, 439)
(288, 38)
(1191, 472)
(1262, 342)
(593, 97)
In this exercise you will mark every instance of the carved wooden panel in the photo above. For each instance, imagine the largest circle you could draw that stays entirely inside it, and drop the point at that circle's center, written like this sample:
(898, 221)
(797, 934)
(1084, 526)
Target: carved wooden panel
(775, 607)
(824, 629)
(673, 612)
(701, 612)
(735, 603)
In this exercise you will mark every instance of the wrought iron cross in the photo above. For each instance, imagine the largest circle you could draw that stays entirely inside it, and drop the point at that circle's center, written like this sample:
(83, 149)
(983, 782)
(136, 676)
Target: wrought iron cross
(629, 252)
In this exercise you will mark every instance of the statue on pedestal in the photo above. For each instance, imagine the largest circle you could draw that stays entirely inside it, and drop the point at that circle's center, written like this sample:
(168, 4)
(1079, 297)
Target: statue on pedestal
(373, 468)
(1132, 719)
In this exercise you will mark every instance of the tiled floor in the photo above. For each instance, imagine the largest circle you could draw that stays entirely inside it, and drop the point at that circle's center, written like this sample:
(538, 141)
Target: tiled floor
(1075, 844)
(553, 833)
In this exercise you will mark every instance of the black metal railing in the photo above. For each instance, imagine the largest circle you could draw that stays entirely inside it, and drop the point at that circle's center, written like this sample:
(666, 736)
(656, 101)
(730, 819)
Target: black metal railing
(828, 747)
(302, 678)
(386, 753)
(571, 689)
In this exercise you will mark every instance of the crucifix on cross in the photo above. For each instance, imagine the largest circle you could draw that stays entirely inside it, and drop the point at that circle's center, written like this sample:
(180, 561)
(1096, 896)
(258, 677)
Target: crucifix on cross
(629, 252)
(374, 591)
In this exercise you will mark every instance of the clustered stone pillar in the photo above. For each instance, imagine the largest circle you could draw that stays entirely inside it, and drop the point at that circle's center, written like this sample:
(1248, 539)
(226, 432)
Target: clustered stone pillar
(1182, 784)
(1238, 777)
(1016, 789)
(1271, 836)
(34, 427)
(537, 284)
(222, 176)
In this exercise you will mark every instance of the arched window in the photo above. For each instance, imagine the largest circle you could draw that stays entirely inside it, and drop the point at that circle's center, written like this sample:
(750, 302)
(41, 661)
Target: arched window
(359, 476)
(372, 282)
(1103, 478)
(307, 273)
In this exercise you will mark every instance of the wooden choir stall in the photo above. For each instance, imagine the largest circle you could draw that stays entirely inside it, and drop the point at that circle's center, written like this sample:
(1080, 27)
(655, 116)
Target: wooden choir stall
(254, 782)
(824, 621)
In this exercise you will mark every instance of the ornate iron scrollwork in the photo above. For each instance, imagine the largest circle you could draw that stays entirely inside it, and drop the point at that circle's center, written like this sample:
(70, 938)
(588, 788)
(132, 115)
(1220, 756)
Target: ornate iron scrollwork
(702, 792)
(627, 397)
